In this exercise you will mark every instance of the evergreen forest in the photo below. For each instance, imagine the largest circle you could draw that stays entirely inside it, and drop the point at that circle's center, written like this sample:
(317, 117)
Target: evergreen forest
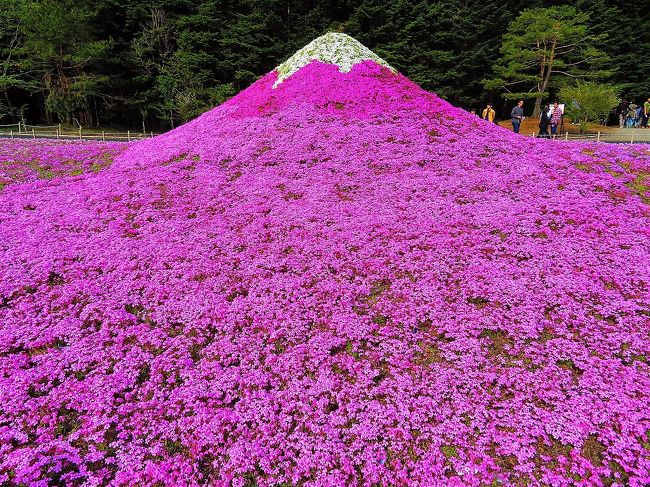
(153, 65)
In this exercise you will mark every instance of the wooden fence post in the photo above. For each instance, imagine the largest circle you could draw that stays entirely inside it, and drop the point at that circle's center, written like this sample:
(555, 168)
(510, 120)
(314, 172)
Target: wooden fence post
(80, 132)
(103, 136)
(598, 137)
(33, 134)
(128, 135)
(12, 133)
(632, 138)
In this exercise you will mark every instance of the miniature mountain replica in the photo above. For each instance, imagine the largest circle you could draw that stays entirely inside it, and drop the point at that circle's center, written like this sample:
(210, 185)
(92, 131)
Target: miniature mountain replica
(335, 278)
(337, 49)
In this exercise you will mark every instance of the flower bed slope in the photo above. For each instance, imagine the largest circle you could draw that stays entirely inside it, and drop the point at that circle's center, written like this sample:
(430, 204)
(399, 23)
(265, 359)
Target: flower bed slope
(341, 280)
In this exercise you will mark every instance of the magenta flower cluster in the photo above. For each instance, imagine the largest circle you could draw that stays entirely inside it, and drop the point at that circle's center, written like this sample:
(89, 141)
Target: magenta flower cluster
(340, 281)
(25, 160)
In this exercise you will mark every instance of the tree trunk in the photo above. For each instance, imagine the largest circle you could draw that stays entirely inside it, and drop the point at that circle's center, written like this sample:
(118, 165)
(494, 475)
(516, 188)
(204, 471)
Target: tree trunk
(45, 114)
(538, 100)
(537, 110)
(95, 113)
(10, 106)
(546, 77)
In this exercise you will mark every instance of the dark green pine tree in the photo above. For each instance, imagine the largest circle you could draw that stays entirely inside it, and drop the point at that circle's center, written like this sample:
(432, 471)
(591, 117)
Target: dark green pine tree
(626, 28)
(12, 78)
(59, 52)
(445, 46)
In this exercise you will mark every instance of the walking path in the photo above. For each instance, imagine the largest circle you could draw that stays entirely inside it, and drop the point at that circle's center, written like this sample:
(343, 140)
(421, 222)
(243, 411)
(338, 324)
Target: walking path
(626, 136)
(640, 135)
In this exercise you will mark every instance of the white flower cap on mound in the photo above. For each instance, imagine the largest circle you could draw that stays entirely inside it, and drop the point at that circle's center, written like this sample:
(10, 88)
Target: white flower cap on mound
(331, 48)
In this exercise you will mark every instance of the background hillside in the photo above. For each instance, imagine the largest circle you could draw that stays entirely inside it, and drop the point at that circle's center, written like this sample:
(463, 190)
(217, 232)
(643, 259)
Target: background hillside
(128, 62)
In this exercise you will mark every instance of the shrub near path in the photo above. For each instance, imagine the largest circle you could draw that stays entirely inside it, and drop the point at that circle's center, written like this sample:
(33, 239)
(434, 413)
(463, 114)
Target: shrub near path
(341, 280)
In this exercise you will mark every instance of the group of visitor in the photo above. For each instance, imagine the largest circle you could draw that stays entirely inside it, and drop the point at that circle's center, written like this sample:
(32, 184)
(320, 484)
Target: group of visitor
(630, 115)
(633, 115)
(550, 118)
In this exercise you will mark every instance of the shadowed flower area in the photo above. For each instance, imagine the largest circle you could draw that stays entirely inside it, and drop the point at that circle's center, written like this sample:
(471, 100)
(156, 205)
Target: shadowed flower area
(342, 280)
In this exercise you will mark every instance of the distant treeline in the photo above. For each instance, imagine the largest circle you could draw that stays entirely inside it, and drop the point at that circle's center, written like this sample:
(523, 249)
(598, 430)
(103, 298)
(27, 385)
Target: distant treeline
(135, 63)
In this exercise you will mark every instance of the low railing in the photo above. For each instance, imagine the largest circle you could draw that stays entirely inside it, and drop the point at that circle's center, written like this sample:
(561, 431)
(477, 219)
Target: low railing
(613, 137)
(24, 131)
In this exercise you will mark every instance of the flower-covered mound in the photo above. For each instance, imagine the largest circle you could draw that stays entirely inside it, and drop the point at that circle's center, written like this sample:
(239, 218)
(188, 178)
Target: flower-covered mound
(340, 281)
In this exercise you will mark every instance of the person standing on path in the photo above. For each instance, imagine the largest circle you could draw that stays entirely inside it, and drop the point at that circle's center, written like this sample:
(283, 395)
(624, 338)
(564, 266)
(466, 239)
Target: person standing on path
(488, 113)
(544, 120)
(556, 119)
(646, 113)
(621, 110)
(517, 116)
(631, 121)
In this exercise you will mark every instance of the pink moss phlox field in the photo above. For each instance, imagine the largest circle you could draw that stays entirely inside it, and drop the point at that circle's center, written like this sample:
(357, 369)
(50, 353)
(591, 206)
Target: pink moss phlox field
(24, 160)
(340, 281)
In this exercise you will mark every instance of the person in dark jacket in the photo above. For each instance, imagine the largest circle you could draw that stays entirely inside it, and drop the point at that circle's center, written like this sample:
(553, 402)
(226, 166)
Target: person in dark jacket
(544, 121)
(517, 116)
(645, 113)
